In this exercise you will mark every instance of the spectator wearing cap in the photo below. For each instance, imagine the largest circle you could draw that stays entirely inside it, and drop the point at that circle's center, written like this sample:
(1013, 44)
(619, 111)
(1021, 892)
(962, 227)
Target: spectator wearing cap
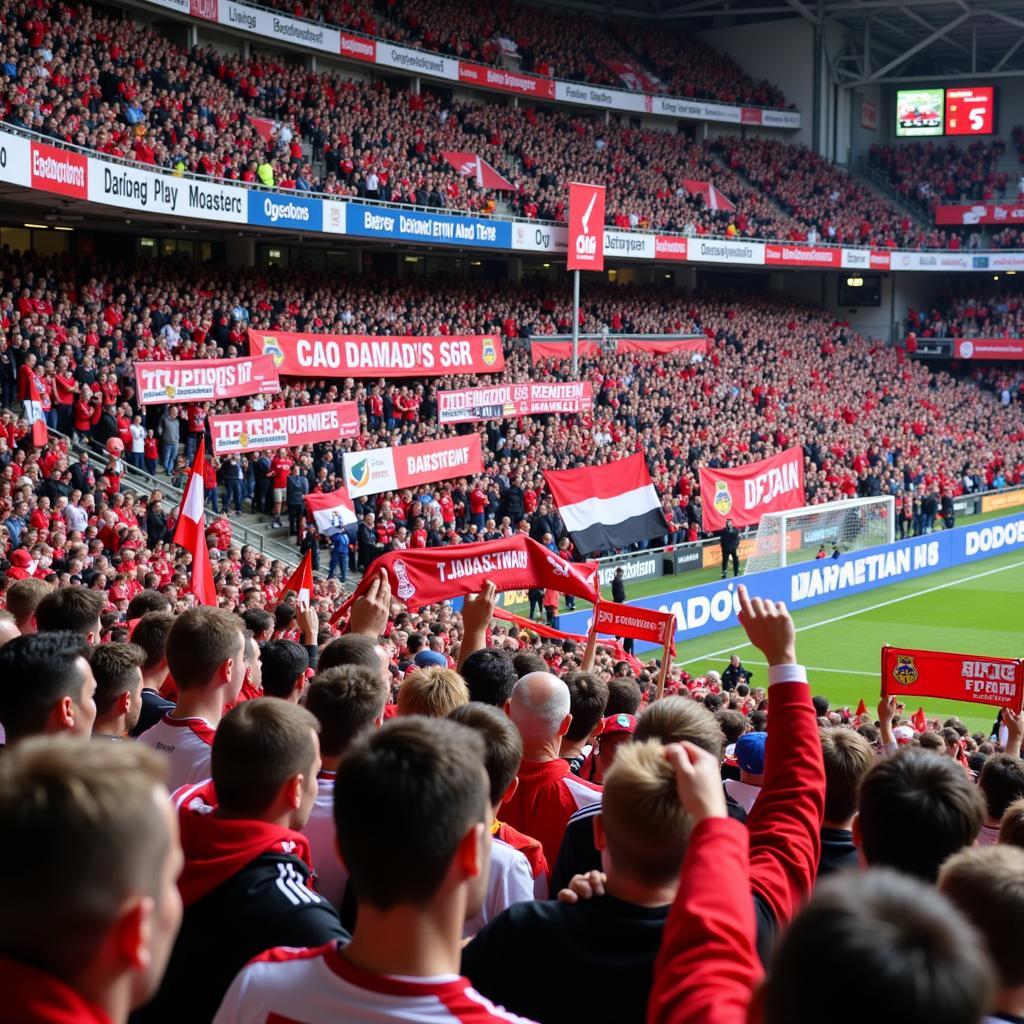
(750, 758)
(615, 730)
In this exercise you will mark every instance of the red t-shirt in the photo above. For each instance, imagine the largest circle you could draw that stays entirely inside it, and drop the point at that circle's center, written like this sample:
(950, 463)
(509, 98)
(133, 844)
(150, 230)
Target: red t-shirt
(281, 467)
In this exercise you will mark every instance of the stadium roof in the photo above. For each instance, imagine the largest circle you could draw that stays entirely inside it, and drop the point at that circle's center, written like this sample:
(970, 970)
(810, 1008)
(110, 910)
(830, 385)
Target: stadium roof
(888, 40)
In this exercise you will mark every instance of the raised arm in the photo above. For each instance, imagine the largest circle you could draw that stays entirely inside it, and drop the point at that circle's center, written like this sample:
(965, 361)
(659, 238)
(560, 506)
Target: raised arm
(477, 612)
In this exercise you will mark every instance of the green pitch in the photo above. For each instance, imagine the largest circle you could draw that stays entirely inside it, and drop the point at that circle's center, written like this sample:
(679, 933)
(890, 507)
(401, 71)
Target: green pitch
(974, 609)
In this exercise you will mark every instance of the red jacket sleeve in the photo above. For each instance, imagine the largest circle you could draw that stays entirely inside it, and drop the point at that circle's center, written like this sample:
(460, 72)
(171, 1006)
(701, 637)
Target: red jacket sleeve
(785, 823)
(708, 965)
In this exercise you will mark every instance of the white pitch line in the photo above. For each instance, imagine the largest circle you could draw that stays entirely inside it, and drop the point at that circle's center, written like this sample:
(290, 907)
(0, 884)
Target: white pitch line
(810, 668)
(861, 611)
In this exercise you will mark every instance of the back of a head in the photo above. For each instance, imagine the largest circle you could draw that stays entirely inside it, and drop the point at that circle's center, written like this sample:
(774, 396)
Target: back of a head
(917, 809)
(431, 692)
(588, 697)
(282, 662)
(151, 633)
(678, 719)
(489, 675)
(503, 746)
(75, 609)
(147, 601)
(645, 825)
(624, 696)
(284, 616)
(525, 662)
(920, 957)
(986, 884)
(538, 706)
(23, 597)
(349, 649)
(848, 757)
(90, 833)
(732, 723)
(259, 745)
(200, 641)
(1011, 826)
(36, 671)
(115, 668)
(346, 701)
(258, 621)
(1001, 783)
(404, 798)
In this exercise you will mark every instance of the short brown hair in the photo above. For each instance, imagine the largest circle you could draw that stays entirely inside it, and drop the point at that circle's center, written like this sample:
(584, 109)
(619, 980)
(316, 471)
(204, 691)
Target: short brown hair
(848, 756)
(200, 641)
(676, 719)
(732, 723)
(987, 885)
(73, 608)
(350, 649)
(1001, 782)
(588, 697)
(1011, 828)
(503, 744)
(23, 597)
(113, 666)
(89, 834)
(645, 825)
(432, 692)
(404, 798)
(346, 701)
(151, 633)
(624, 696)
(259, 745)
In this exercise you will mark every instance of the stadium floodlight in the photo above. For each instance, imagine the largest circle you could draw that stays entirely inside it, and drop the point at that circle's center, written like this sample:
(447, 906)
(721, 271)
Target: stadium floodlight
(800, 534)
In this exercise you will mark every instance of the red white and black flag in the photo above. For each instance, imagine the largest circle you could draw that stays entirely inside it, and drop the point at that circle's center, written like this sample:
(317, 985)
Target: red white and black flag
(610, 506)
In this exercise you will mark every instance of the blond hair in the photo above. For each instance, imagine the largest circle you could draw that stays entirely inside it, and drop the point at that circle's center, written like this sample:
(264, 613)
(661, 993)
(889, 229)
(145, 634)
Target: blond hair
(23, 597)
(1011, 827)
(432, 692)
(645, 825)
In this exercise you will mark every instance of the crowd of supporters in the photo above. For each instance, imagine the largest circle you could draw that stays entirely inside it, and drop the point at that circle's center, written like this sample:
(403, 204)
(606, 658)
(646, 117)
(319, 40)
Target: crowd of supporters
(970, 311)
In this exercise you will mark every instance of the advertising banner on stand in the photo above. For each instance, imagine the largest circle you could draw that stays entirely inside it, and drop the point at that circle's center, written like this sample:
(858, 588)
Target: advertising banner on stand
(411, 465)
(586, 227)
(746, 493)
(471, 405)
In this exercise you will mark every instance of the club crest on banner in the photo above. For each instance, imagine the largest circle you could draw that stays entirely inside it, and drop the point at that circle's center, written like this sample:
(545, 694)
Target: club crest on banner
(170, 391)
(359, 474)
(272, 348)
(722, 500)
(490, 353)
(405, 585)
(905, 671)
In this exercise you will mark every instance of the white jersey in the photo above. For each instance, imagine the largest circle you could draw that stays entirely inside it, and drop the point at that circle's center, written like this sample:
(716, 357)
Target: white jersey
(319, 986)
(187, 742)
(331, 876)
(510, 881)
(743, 793)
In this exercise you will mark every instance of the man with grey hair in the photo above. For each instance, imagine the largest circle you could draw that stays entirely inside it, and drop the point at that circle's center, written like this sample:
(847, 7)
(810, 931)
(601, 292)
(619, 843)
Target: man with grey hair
(548, 794)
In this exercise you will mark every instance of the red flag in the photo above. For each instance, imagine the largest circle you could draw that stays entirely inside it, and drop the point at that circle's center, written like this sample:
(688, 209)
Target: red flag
(301, 581)
(39, 433)
(202, 572)
(862, 708)
(919, 721)
(191, 520)
(628, 620)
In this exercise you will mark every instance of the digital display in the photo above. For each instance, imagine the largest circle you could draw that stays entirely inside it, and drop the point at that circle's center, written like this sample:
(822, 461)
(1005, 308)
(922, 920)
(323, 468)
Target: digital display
(970, 111)
(919, 112)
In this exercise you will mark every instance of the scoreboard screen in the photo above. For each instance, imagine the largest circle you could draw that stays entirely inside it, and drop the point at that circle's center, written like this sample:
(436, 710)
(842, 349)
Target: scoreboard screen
(970, 111)
(959, 110)
(919, 112)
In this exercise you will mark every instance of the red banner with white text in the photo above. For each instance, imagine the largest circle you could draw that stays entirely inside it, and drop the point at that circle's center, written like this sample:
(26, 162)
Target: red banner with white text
(980, 213)
(746, 493)
(470, 405)
(204, 380)
(412, 465)
(988, 348)
(586, 227)
(283, 428)
(784, 255)
(625, 620)
(506, 81)
(974, 678)
(362, 355)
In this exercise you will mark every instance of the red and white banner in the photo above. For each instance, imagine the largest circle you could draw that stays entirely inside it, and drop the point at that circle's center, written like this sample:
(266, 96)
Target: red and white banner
(783, 255)
(332, 511)
(670, 247)
(204, 380)
(633, 78)
(358, 47)
(361, 355)
(284, 428)
(506, 81)
(645, 624)
(974, 678)
(746, 493)
(190, 531)
(988, 348)
(541, 350)
(472, 165)
(429, 575)
(471, 405)
(714, 198)
(60, 171)
(411, 465)
(586, 227)
(980, 213)
(300, 583)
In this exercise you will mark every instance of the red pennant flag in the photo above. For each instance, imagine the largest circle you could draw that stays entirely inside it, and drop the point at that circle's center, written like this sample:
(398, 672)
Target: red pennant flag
(862, 708)
(628, 620)
(301, 581)
(202, 573)
(919, 721)
(40, 435)
(191, 520)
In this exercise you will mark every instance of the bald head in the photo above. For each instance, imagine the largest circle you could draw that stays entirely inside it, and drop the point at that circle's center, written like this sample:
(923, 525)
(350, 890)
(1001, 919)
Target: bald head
(539, 707)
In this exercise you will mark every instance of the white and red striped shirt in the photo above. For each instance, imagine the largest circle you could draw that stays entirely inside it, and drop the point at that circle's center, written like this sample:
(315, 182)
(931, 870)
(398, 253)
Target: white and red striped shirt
(319, 986)
(187, 742)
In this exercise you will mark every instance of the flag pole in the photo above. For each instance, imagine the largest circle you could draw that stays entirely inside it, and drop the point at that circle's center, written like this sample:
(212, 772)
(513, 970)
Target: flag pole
(670, 628)
(575, 324)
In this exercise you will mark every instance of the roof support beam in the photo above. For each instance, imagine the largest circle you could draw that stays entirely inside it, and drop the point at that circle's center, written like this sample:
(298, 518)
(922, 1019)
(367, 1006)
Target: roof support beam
(918, 47)
(1009, 53)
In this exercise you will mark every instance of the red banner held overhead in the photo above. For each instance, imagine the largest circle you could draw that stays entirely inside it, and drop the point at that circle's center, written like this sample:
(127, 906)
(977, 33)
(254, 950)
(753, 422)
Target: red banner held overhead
(472, 165)
(282, 428)
(471, 405)
(586, 227)
(974, 678)
(428, 575)
(412, 465)
(746, 493)
(625, 620)
(988, 348)
(370, 355)
(204, 380)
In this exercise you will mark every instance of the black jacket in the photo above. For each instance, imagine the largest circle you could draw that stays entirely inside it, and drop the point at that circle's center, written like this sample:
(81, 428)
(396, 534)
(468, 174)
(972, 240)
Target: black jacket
(730, 540)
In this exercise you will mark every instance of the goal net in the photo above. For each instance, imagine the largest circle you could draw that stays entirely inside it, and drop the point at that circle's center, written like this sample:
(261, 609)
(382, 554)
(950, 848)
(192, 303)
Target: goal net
(802, 534)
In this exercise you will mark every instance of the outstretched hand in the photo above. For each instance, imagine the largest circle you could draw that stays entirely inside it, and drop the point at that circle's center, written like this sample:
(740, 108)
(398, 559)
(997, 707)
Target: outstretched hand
(478, 609)
(769, 628)
(369, 614)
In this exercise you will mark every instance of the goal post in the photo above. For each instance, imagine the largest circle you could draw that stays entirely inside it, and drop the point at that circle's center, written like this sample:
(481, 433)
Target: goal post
(800, 534)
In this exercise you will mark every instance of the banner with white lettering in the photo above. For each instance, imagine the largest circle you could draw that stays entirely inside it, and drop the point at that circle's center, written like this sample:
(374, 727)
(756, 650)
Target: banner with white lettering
(362, 355)
(283, 428)
(204, 380)
(586, 227)
(746, 493)
(471, 405)
(411, 465)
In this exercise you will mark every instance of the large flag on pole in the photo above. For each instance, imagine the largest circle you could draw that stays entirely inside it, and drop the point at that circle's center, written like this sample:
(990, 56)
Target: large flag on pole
(190, 531)
(300, 582)
(610, 506)
(332, 511)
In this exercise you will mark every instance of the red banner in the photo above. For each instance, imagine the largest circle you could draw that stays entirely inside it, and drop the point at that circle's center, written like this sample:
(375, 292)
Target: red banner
(980, 213)
(472, 405)
(283, 428)
(541, 350)
(204, 380)
(429, 575)
(661, 347)
(988, 348)
(968, 677)
(361, 355)
(783, 255)
(506, 81)
(586, 227)
(746, 493)
(412, 465)
(472, 165)
(637, 623)
(358, 47)
(970, 110)
(669, 247)
(60, 171)
(880, 260)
